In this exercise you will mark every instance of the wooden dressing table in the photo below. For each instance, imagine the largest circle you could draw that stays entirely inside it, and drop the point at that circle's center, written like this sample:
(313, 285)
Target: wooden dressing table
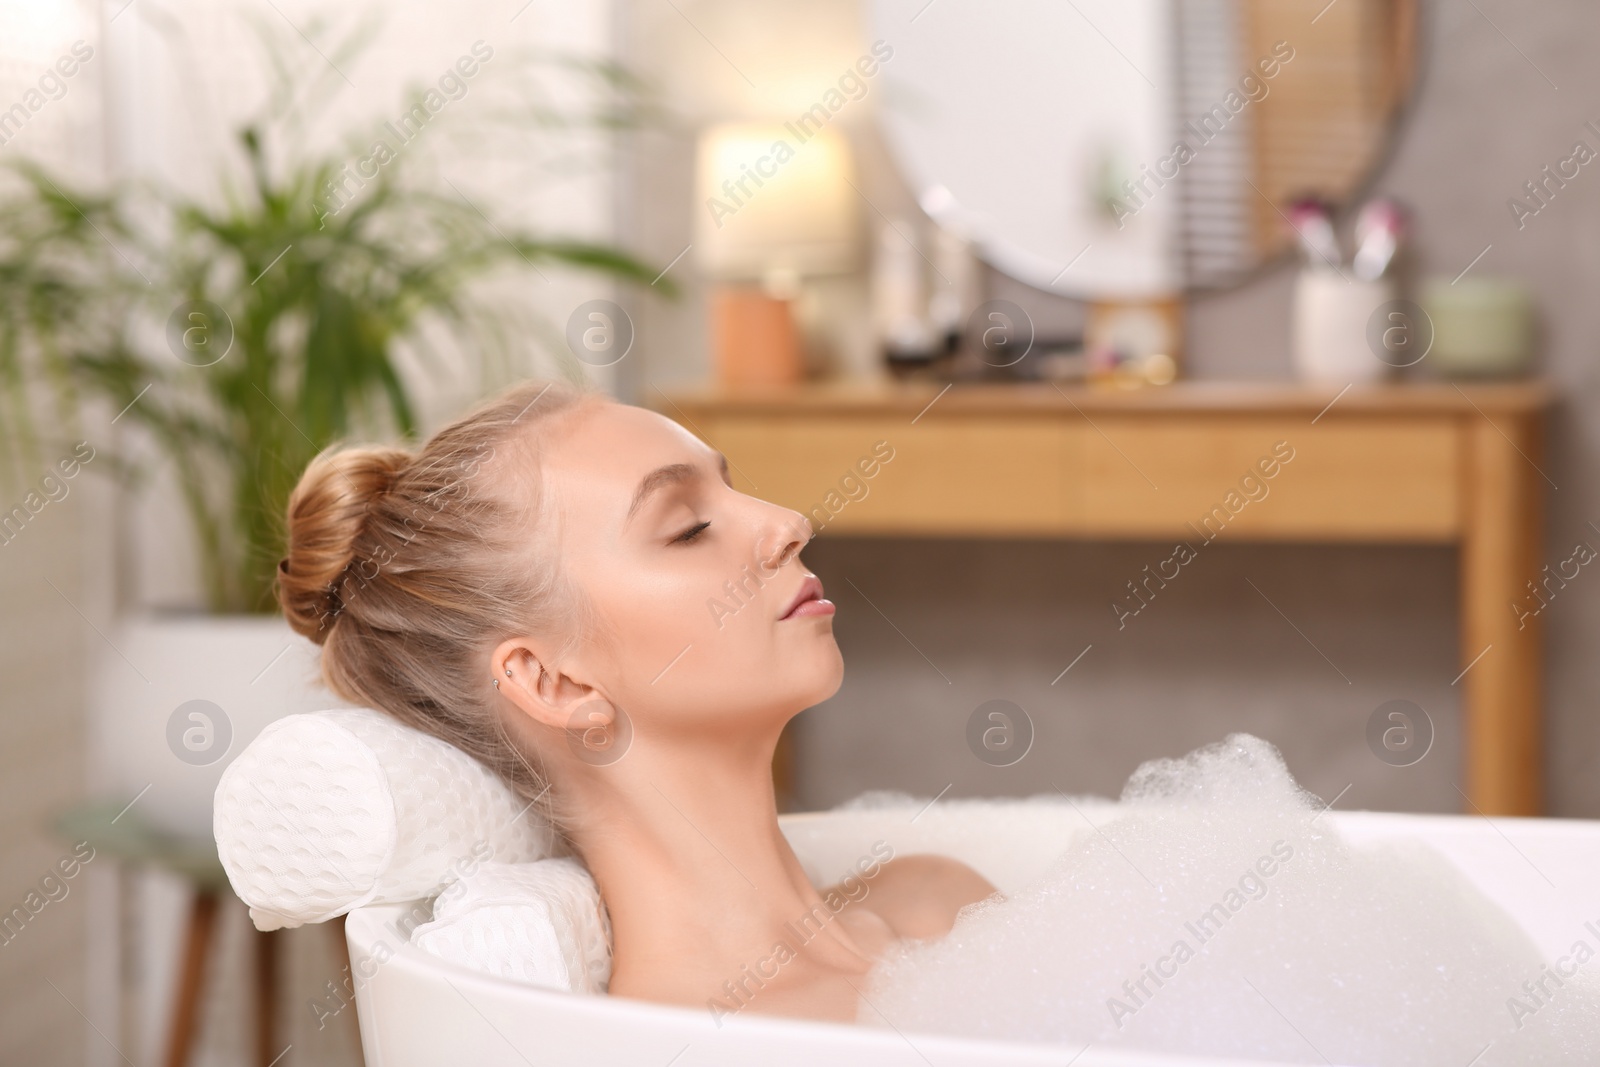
(1405, 464)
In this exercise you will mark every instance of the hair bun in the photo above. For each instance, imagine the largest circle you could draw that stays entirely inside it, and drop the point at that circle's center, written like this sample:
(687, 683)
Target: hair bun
(327, 513)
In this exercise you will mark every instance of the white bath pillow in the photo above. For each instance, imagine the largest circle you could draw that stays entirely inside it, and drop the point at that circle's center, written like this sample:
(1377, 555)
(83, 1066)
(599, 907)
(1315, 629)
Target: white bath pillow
(538, 922)
(331, 810)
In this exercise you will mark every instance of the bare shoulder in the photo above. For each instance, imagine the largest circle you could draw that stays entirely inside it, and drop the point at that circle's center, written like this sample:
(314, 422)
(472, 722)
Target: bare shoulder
(919, 895)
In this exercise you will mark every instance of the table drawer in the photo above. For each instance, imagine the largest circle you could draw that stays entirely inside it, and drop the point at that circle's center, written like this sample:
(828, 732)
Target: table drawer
(979, 476)
(1271, 478)
(1115, 476)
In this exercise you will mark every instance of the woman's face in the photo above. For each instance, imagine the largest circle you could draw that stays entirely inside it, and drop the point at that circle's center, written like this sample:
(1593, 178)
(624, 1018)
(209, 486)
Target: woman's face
(692, 580)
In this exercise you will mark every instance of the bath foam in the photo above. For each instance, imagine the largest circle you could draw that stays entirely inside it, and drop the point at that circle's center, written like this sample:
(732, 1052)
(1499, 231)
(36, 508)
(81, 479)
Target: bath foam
(1221, 914)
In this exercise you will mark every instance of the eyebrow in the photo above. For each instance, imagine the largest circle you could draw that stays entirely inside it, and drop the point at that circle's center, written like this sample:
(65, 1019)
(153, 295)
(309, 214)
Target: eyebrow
(661, 477)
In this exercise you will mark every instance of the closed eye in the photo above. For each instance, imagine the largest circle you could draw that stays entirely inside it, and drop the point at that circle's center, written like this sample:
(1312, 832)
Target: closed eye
(691, 533)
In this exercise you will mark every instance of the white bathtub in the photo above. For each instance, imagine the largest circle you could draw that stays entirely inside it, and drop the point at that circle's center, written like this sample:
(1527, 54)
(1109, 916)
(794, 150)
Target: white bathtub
(418, 1011)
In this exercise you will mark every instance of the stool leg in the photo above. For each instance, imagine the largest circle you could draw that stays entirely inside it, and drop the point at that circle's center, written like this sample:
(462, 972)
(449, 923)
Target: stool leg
(341, 953)
(191, 980)
(266, 997)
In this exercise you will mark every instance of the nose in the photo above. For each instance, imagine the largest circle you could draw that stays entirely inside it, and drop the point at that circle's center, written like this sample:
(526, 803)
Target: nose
(789, 531)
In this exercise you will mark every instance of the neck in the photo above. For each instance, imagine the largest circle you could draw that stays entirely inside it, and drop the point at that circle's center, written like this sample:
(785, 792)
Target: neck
(683, 842)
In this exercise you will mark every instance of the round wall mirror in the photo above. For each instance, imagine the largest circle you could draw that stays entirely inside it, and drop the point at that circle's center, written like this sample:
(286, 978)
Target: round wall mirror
(1124, 149)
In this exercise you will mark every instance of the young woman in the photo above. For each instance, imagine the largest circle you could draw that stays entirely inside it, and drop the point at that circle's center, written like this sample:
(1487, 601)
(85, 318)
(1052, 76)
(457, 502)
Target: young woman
(570, 589)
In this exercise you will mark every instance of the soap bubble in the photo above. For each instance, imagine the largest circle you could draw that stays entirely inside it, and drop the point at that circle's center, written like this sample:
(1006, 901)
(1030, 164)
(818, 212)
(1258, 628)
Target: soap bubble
(1221, 914)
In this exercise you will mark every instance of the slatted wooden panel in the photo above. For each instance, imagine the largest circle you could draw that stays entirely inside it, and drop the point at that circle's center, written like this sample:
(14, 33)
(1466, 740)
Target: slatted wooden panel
(1326, 121)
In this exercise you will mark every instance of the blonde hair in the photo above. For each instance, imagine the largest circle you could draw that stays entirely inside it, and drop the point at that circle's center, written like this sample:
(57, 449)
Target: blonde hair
(408, 568)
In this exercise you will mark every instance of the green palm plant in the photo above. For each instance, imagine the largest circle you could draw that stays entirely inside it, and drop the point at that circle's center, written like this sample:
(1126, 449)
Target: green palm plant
(244, 336)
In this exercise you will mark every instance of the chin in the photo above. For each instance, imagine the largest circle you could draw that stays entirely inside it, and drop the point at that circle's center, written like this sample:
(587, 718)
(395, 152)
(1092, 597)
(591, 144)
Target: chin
(829, 673)
(809, 678)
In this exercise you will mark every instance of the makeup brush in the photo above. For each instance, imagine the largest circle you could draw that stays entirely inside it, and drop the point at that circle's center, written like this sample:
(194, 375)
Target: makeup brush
(1313, 222)
(1379, 230)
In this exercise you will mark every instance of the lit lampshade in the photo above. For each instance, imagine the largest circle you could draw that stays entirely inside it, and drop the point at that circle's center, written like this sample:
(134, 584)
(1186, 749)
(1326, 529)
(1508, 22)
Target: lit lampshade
(775, 198)
(774, 202)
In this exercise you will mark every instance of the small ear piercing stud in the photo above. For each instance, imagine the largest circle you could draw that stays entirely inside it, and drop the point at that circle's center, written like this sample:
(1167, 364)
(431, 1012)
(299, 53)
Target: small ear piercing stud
(508, 672)
(496, 682)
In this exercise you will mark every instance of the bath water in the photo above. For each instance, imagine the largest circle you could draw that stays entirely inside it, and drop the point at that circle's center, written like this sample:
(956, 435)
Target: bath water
(1222, 914)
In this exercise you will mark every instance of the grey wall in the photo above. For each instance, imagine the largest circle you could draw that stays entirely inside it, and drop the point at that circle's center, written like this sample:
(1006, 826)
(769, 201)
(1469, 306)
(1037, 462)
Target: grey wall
(42, 773)
(54, 574)
(1209, 657)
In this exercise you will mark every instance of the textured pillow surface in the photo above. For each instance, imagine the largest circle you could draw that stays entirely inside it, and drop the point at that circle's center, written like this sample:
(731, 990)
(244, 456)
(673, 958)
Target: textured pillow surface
(539, 922)
(327, 811)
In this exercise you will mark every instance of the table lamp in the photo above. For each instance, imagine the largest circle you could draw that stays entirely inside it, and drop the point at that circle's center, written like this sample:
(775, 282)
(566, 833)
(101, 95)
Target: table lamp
(774, 203)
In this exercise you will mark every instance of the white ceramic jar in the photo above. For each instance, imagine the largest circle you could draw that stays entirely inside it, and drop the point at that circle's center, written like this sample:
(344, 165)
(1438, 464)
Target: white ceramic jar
(1335, 320)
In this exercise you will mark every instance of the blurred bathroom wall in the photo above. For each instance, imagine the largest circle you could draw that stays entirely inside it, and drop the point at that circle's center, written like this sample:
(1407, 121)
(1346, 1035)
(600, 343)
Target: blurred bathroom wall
(1001, 620)
(55, 570)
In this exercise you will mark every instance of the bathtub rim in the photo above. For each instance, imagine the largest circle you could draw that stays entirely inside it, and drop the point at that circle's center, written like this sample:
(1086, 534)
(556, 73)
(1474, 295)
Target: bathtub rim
(366, 926)
(857, 1039)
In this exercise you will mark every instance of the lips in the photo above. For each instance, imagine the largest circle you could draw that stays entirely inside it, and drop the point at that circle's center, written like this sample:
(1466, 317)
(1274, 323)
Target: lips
(808, 601)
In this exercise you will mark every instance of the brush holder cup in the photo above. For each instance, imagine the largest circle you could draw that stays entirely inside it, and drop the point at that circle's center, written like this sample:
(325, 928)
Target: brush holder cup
(1348, 330)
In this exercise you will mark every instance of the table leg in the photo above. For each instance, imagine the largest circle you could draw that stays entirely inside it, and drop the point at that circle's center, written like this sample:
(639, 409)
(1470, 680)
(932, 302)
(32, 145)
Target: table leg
(191, 979)
(1500, 550)
(266, 988)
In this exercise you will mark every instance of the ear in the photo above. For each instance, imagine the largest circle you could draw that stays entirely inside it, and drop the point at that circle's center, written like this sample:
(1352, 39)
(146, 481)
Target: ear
(543, 693)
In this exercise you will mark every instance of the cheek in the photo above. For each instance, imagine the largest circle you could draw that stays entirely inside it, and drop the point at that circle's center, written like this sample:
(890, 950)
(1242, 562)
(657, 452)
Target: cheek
(685, 620)
(649, 613)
